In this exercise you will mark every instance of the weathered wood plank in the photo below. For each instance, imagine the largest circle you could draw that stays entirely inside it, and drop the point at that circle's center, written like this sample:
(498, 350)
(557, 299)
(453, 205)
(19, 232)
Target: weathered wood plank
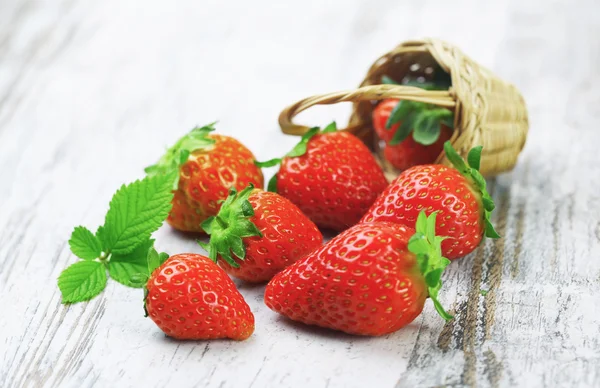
(90, 92)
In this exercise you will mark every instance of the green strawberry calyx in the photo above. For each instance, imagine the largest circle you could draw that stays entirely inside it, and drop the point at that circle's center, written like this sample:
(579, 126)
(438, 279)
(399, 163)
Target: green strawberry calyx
(471, 172)
(230, 226)
(179, 153)
(298, 150)
(423, 120)
(428, 249)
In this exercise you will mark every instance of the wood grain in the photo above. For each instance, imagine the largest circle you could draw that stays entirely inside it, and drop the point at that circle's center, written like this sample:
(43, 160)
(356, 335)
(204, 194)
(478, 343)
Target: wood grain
(91, 92)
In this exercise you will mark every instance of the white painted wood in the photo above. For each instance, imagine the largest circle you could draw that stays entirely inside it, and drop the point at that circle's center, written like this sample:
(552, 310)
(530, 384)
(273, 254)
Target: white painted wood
(92, 91)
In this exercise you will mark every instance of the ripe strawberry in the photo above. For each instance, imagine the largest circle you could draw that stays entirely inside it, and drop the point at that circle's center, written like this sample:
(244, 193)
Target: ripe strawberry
(331, 176)
(265, 232)
(425, 123)
(190, 297)
(208, 166)
(381, 115)
(458, 194)
(371, 279)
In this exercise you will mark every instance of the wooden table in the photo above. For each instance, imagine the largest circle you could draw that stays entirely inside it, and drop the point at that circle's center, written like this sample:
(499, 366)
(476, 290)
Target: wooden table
(92, 91)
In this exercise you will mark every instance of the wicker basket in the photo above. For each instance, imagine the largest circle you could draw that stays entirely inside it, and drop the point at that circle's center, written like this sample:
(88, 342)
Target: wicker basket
(487, 110)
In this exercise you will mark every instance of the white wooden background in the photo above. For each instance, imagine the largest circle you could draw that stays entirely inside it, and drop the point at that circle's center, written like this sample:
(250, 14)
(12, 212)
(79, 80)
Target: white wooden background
(92, 91)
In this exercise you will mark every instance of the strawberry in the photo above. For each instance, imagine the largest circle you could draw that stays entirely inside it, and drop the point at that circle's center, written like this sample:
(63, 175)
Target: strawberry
(371, 279)
(208, 166)
(331, 176)
(394, 120)
(403, 154)
(264, 231)
(190, 297)
(459, 195)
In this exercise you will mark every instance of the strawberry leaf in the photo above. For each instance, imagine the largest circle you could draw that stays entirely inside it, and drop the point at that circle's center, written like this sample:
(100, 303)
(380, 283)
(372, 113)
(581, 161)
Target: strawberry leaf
(268, 163)
(300, 148)
(229, 227)
(427, 129)
(272, 185)
(426, 246)
(471, 172)
(388, 81)
(122, 268)
(136, 211)
(84, 244)
(153, 260)
(404, 130)
(401, 111)
(332, 127)
(422, 119)
(474, 157)
(82, 281)
(448, 121)
(178, 154)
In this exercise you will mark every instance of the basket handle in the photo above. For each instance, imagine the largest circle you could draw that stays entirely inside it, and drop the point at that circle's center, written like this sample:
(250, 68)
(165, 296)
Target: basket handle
(442, 98)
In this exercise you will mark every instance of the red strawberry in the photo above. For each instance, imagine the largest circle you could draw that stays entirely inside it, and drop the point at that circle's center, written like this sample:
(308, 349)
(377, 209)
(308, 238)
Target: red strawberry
(381, 115)
(190, 297)
(371, 279)
(429, 134)
(264, 231)
(331, 176)
(209, 165)
(458, 194)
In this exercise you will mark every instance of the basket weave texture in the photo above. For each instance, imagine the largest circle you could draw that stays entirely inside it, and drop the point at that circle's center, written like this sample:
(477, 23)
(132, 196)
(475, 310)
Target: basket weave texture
(487, 110)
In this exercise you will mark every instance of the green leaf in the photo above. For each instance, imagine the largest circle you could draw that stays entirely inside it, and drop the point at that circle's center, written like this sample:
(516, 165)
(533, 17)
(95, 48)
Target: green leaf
(136, 211)
(272, 186)
(422, 85)
(268, 163)
(178, 154)
(101, 236)
(426, 246)
(421, 225)
(471, 172)
(388, 81)
(229, 227)
(82, 281)
(474, 157)
(203, 245)
(300, 148)
(138, 280)
(433, 277)
(448, 121)
(84, 244)
(332, 127)
(488, 204)
(456, 159)
(400, 112)
(247, 209)
(430, 226)
(162, 257)
(418, 244)
(153, 260)
(404, 130)
(489, 229)
(427, 129)
(122, 267)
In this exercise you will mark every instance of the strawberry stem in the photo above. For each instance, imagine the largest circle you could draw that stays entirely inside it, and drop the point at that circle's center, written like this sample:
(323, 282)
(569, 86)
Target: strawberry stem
(230, 226)
(427, 247)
